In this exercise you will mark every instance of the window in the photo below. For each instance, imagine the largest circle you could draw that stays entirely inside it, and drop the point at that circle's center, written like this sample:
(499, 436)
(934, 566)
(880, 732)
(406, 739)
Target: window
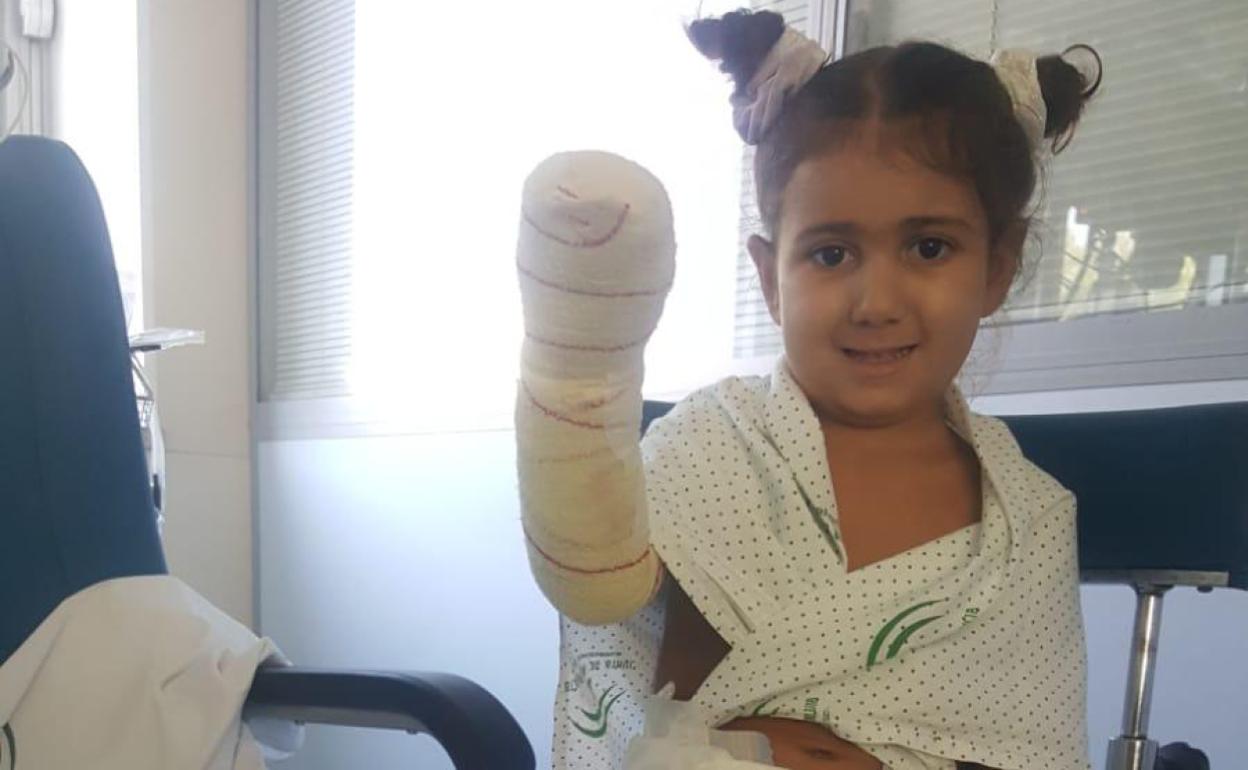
(77, 80)
(306, 163)
(393, 143)
(392, 147)
(1140, 272)
(95, 110)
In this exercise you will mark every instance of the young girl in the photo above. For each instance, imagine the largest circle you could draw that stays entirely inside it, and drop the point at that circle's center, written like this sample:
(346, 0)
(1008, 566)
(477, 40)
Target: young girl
(841, 556)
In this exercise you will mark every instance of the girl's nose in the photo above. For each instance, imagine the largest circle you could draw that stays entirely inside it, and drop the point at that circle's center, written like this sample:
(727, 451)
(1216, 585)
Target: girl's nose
(877, 293)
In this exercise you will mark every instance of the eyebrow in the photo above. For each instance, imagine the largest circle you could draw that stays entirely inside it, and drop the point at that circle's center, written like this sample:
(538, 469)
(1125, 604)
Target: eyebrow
(829, 228)
(909, 223)
(914, 223)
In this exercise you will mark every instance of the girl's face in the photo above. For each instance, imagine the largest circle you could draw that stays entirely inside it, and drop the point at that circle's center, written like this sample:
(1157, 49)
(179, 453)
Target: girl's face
(879, 276)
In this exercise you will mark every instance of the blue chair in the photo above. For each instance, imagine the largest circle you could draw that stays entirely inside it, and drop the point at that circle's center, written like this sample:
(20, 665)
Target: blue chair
(75, 506)
(1179, 469)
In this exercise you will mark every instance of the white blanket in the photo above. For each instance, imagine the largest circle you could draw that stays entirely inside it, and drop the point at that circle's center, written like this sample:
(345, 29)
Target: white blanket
(968, 648)
(132, 673)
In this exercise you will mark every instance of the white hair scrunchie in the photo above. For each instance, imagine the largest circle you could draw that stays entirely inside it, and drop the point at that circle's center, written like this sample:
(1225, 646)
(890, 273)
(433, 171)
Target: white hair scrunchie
(1016, 69)
(792, 61)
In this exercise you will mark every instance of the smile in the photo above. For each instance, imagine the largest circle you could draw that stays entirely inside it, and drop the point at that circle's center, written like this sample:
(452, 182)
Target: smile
(884, 356)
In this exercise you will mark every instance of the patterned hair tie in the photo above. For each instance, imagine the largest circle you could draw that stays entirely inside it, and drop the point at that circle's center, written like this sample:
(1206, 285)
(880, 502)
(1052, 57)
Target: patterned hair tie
(1016, 69)
(792, 61)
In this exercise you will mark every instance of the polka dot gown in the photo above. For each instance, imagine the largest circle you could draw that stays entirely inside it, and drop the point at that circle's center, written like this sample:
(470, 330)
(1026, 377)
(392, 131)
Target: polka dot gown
(969, 647)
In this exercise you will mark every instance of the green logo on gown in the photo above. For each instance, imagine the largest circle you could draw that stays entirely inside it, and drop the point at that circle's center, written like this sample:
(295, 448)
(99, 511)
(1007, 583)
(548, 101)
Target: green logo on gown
(598, 718)
(904, 632)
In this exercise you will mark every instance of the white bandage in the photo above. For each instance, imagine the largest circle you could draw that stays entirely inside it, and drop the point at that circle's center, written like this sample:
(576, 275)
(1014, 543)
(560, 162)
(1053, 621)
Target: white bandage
(595, 259)
(677, 736)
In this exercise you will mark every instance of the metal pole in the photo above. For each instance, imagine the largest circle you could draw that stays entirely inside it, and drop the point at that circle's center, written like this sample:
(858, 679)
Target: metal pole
(1133, 750)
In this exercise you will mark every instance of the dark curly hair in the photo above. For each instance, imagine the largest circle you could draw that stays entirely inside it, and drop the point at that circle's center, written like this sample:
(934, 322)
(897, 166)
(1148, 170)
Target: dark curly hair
(953, 112)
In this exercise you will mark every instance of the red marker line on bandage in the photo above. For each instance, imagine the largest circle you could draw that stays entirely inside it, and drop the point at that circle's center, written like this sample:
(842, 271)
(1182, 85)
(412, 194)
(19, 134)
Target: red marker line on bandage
(588, 348)
(553, 414)
(579, 456)
(581, 570)
(527, 273)
(587, 243)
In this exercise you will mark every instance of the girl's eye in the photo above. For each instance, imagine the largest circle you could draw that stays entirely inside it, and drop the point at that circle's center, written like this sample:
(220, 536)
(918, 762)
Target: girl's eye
(829, 256)
(931, 249)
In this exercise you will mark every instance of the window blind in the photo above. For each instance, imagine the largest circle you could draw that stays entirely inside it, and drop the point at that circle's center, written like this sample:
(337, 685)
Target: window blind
(305, 161)
(1147, 209)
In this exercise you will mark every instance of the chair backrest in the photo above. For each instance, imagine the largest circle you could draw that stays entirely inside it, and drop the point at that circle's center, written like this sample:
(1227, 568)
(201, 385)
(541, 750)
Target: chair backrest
(74, 502)
(1159, 490)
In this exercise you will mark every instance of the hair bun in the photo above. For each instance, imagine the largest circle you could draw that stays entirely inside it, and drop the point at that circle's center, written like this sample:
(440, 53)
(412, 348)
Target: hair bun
(739, 40)
(1066, 89)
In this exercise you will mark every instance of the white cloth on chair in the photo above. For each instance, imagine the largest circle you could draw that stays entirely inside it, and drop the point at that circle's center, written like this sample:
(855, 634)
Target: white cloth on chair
(969, 647)
(136, 673)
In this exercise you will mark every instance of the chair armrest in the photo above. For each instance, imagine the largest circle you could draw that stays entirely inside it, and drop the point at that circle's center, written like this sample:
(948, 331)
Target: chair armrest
(471, 725)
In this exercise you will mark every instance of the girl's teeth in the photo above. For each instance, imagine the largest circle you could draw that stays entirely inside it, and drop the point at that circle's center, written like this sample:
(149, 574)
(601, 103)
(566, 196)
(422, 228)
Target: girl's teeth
(881, 356)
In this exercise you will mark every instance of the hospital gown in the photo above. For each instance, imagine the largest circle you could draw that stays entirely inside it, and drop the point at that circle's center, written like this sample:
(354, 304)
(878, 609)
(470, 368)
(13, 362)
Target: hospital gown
(969, 647)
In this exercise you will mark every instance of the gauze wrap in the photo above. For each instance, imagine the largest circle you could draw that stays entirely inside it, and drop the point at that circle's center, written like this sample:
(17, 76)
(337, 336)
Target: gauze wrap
(595, 260)
(676, 737)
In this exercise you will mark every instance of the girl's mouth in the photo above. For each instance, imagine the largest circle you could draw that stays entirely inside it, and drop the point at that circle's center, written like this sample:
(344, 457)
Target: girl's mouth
(879, 356)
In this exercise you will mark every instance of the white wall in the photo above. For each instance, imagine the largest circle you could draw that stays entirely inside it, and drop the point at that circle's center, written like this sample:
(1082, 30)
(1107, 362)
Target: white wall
(406, 552)
(193, 103)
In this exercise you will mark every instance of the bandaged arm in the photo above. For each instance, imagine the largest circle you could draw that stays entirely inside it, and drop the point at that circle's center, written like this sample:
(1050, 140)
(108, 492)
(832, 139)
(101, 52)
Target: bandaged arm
(595, 261)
